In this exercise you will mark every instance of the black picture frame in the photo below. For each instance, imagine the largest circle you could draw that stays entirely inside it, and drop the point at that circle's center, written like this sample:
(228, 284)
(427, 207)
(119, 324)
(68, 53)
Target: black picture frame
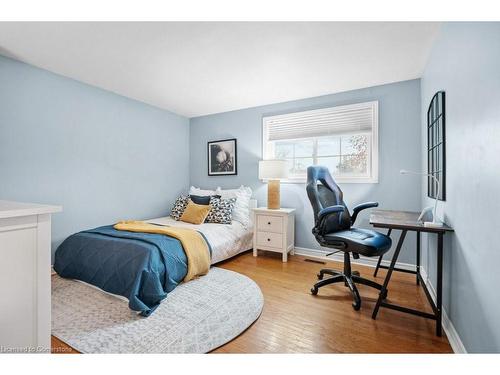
(222, 157)
(436, 145)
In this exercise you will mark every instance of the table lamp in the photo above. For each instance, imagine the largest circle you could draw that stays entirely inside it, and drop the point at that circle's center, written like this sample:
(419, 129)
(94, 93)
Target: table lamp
(435, 222)
(273, 171)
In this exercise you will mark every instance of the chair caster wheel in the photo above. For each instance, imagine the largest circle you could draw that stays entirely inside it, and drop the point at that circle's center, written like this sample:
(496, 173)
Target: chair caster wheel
(314, 291)
(320, 276)
(356, 305)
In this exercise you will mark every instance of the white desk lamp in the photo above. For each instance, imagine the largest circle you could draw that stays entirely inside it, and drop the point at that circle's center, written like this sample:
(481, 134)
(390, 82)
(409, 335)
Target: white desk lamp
(435, 222)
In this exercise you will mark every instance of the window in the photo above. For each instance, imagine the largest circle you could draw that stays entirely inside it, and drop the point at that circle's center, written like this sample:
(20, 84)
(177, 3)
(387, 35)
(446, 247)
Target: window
(343, 138)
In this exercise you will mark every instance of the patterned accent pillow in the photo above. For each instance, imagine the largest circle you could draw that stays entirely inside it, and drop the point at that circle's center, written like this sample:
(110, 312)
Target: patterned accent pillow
(222, 210)
(241, 210)
(179, 207)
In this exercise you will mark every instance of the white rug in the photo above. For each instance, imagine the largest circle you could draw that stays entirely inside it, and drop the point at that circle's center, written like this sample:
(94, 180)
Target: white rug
(196, 317)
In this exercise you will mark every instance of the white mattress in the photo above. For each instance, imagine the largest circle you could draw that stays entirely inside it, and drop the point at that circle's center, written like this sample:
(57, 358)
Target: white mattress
(226, 240)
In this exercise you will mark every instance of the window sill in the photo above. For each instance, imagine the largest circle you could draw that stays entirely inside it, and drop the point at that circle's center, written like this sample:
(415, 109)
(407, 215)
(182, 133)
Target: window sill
(352, 180)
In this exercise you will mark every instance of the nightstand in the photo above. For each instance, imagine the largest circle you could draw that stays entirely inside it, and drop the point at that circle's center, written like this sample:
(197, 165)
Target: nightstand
(274, 230)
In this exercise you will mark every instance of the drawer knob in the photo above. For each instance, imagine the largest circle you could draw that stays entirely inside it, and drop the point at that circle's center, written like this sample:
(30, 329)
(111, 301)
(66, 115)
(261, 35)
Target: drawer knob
(268, 223)
(269, 239)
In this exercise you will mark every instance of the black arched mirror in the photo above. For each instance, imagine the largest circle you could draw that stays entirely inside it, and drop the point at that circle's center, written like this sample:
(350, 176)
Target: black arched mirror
(436, 156)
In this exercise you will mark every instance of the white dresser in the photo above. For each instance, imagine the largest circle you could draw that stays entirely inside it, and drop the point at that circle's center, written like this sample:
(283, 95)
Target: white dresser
(25, 233)
(274, 230)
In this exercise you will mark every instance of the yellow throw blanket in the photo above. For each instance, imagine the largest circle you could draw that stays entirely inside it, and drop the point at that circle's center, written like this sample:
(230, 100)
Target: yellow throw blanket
(193, 243)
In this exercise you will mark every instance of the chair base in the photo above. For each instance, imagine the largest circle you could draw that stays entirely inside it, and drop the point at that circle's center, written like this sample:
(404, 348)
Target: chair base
(349, 278)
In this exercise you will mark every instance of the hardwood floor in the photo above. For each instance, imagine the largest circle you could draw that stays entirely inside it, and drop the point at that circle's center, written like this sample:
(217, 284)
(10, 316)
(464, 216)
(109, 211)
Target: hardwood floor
(294, 321)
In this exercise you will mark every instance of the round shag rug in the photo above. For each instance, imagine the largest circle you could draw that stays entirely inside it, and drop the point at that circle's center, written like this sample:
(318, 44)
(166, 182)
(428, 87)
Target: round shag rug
(196, 317)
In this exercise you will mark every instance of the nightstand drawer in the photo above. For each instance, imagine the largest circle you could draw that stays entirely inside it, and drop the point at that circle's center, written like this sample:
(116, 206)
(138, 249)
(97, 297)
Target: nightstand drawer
(270, 223)
(269, 239)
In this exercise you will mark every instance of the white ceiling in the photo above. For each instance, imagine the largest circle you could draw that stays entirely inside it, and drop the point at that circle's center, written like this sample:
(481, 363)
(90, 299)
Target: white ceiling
(198, 68)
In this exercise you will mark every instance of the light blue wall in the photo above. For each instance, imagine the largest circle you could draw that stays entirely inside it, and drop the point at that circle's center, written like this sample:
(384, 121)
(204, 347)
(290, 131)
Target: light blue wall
(399, 143)
(101, 156)
(465, 62)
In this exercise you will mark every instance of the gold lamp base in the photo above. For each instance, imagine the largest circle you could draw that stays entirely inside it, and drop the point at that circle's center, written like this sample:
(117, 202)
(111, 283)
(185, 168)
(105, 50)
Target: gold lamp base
(273, 194)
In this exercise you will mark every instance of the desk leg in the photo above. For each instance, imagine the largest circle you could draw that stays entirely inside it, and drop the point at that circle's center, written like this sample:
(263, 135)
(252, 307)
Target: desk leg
(381, 257)
(383, 291)
(418, 257)
(378, 265)
(439, 291)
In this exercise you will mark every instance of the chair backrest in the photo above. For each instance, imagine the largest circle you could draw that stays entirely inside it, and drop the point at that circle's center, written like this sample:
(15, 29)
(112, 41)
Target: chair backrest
(324, 192)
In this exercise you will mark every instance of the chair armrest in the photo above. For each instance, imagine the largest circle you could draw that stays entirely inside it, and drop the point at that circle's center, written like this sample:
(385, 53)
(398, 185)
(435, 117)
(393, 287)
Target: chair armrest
(330, 210)
(360, 207)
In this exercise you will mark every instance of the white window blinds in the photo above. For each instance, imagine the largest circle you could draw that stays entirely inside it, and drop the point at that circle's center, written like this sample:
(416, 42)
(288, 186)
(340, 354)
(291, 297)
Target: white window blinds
(354, 118)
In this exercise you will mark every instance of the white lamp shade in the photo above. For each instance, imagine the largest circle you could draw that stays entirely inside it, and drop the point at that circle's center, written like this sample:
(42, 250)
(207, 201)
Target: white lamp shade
(273, 169)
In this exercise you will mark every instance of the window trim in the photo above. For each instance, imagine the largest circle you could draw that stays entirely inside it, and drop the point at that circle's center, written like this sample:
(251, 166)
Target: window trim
(374, 157)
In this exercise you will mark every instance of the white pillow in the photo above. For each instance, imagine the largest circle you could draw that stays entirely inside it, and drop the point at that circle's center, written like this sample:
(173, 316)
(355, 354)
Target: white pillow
(241, 210)
(203, 193)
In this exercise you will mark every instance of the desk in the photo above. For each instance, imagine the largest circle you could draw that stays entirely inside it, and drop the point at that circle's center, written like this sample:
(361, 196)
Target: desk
(407, 221)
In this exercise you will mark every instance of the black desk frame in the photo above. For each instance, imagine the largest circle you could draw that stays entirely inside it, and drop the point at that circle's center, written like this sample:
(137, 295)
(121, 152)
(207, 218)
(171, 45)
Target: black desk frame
(437, 306)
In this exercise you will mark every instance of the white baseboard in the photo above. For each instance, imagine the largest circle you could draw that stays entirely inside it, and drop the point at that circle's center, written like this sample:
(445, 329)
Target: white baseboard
(339, 257)
(453, 337)
(452, 334)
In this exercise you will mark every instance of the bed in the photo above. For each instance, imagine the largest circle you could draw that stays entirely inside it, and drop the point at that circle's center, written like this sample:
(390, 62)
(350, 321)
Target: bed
(226, 240)
(143, 267)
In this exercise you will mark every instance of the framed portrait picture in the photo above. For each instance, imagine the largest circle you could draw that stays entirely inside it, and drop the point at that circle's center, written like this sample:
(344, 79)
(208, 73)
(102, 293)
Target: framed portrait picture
(222, 157)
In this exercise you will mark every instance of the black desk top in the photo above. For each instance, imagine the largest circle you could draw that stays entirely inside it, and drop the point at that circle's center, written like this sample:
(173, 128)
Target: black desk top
(403, 220)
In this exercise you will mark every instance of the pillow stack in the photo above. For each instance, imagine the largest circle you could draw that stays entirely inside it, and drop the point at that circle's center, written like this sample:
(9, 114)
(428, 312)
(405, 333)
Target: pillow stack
(214, 206)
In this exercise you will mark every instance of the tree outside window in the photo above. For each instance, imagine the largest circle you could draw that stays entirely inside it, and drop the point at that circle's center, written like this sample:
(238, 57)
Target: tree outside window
(344, 155)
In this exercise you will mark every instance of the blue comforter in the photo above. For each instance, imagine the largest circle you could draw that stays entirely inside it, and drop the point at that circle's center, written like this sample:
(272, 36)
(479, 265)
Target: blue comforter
(139, 266)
